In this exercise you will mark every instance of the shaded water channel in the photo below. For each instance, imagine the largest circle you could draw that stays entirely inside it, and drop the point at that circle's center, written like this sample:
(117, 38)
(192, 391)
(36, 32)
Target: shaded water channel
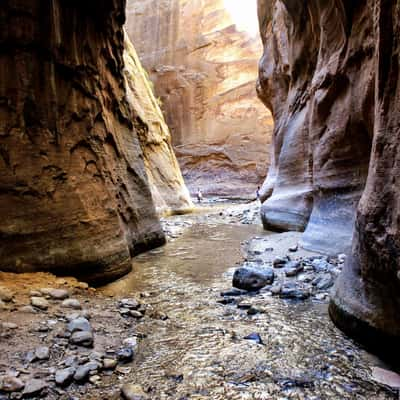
(195, 349)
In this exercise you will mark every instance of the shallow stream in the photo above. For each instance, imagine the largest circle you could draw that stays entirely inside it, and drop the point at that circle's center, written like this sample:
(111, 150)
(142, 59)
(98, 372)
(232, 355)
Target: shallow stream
(196, 349)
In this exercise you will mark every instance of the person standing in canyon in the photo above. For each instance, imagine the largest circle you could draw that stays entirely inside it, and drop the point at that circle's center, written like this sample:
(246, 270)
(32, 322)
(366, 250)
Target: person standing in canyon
(199, 195)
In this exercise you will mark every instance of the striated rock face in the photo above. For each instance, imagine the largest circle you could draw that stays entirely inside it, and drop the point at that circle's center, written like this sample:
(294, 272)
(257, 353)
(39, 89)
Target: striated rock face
(330, 75)
(74, 194)
(316, 76)
(366, 302)
(204, 71)
(168, 189)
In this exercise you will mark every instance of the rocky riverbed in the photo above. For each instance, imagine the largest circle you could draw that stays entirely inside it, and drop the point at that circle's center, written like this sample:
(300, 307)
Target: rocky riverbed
(175, 328)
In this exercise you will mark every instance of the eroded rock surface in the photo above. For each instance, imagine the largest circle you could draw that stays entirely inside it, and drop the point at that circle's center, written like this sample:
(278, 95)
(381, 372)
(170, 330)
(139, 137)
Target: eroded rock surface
(204, 70)
(330, 75)
(316, 76)
(74, 194)
(366, 303)
(166, 182)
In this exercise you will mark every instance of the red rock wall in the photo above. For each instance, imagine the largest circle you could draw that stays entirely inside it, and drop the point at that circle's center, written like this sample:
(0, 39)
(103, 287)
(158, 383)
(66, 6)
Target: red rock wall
(204, 69)
(74, 194)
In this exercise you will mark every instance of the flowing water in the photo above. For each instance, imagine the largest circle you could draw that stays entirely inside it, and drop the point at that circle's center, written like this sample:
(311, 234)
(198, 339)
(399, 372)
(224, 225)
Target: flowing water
(194, 347)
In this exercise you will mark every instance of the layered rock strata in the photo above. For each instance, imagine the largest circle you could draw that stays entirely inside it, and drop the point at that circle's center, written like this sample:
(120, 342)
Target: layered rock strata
(74, 193)
(168, 189)
(330, 75)
(203, 69)
(322, 104)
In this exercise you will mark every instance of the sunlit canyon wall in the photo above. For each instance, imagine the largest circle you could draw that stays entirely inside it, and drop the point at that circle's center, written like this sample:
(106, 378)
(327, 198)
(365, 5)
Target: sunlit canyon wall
(204, 71)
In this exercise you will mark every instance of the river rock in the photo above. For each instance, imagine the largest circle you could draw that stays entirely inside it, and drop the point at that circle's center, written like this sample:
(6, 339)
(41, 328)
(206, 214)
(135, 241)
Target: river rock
(42, 353)
(71, 303)
(82, 338)
(133, 392)
(34, 387)
(6, 294)
(252, 279)
(79, 324)
(56, 294)
(9, 325)
(294, 293)
(293, 268)
(280, 262)
(40, 302)
(131, 304)
(255, 337)
(64, 376)
(10, 384)
(323, 282)
(125, 355)
(109, 363)
(83, 371)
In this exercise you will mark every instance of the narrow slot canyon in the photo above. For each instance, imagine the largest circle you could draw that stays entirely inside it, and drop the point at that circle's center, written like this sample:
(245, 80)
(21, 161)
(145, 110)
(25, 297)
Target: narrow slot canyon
(199, 199)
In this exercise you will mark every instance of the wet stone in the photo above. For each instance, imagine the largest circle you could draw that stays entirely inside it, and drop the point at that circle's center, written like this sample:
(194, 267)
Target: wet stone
(252, 279)
(293, 268)
(125, 355)
(323, 282)
(255, 337)
(42, 353)
(280, 262)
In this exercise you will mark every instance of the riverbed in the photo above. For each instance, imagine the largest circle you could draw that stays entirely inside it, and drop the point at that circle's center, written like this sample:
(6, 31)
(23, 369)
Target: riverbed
(197, 350)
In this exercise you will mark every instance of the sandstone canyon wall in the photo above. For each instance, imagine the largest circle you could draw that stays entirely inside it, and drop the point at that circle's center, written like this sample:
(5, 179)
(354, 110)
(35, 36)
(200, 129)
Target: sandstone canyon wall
(366, 302)
(316, 76)
(204, 70)
(330, 76)
(168, 189)
(74, 193)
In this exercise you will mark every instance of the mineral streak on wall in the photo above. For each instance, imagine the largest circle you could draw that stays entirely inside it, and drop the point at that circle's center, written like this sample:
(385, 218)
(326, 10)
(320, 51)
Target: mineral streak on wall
(204, 71)
(74, 193)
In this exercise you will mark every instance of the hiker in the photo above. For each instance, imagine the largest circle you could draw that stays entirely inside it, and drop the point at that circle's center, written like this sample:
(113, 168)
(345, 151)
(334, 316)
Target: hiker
(199, 196)
(258, 193)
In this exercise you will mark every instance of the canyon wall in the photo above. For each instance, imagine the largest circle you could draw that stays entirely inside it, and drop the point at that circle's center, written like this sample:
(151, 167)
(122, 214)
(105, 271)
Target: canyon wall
(168, 189)
(74, 193)
(203, 69)
(366, 302)
(317, 78)
(330, 75)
